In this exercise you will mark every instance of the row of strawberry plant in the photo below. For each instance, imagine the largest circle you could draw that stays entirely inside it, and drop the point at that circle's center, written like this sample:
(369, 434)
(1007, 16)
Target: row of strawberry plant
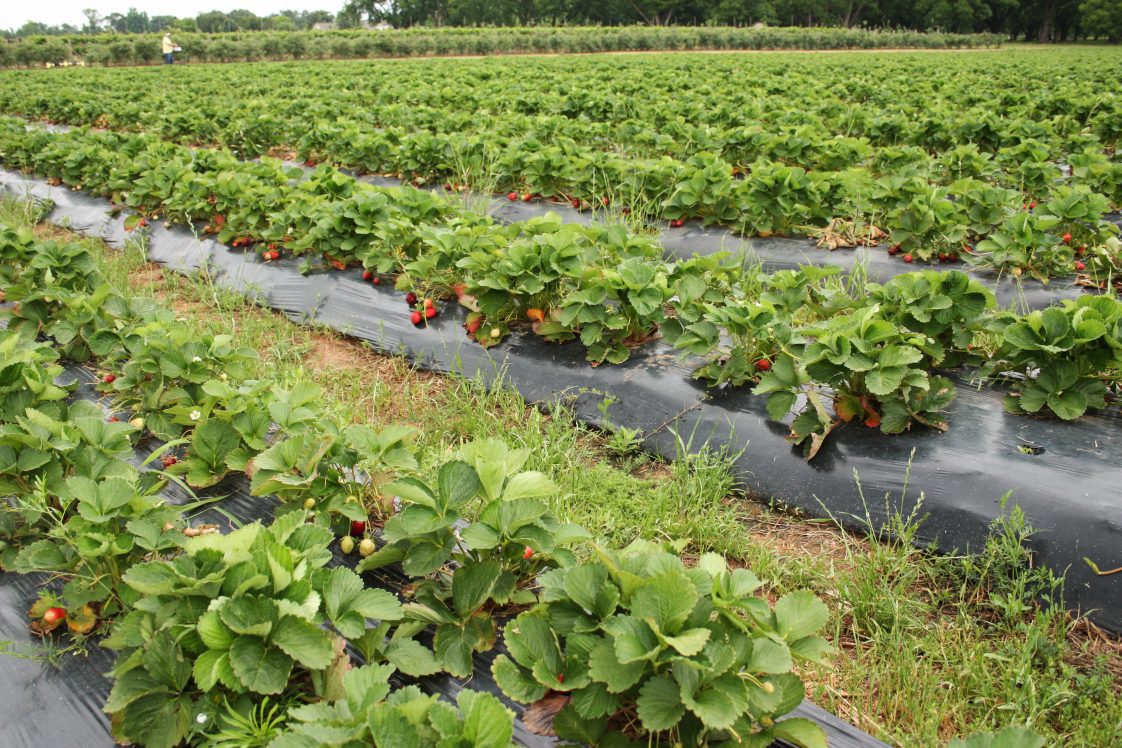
(645, 107)
(762, 178)
(209, 626)
(610, 289)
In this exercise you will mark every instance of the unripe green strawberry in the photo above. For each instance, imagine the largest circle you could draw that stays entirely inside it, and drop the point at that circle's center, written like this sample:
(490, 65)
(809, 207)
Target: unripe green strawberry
(366, 547)
(347, 544)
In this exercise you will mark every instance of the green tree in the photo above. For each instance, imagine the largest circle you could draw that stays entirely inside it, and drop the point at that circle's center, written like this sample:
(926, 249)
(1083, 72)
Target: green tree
(93, 20)
(1101, 19)
(214, 22)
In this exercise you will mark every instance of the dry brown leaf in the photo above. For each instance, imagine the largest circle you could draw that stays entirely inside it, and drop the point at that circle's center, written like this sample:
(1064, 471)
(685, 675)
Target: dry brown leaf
(538, 718)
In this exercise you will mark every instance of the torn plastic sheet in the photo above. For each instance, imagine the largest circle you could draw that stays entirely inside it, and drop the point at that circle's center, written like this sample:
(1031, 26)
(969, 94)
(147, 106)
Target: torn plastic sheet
(1066, 476)
(61, 706)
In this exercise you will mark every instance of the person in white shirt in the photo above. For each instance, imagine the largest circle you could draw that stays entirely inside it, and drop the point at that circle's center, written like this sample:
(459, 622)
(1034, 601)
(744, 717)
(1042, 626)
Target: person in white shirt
(169, 49)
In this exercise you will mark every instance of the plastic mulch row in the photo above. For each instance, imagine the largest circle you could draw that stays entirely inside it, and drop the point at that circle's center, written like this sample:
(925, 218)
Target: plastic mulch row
(1065, 476)
(45, 704)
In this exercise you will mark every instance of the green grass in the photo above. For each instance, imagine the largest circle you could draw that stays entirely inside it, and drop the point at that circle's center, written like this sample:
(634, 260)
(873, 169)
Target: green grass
(929, 646)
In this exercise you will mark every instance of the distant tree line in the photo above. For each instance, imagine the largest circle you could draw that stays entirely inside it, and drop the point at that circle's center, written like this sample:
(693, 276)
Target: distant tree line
(212, 22)
(1034, 20)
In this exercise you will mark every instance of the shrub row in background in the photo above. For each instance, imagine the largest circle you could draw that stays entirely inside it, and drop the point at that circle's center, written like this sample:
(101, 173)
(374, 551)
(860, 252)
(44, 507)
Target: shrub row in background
(107, 49)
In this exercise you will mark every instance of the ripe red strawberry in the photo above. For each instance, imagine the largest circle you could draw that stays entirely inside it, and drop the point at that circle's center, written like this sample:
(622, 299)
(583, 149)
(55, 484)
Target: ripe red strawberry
(1080, 265)
(143, 222)
(575, 203)
(528, 553)
(276, 254)
(474, 325)
(1032, 205)
(376, 280)
(410, 298)
(54, 615)
(560, 677)
(1067, 238)
(677, 223)
(367, 275)
(428, 304)
(109, 378)
(763, 364)
(907, 258)
(170, 460)
(527, 197)
(605, 201)
(416, 318)
(512, 196)
(430, 312)
(358, 527)
(114, 419)
(942, 257)
(894, 249)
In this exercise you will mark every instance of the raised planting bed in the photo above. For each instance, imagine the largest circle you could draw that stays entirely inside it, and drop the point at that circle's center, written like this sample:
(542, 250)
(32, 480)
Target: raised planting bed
(1064, 475)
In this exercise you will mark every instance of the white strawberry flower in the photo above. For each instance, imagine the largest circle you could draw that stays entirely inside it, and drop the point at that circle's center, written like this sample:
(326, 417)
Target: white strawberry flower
(197, 359)
(196, 415)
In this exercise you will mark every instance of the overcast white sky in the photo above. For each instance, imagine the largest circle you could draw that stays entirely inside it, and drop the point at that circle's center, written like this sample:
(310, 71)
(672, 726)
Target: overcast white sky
(14, 14)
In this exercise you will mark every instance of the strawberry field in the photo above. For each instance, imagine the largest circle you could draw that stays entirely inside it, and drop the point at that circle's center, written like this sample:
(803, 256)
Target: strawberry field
(379, 199)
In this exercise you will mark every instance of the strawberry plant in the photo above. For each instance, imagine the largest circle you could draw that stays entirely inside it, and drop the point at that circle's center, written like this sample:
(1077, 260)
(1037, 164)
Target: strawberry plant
(775, 198)
(639, 647)
(47, 282)
(1065, 356)
(948, 308)
(240, 613)
(505, 282)
(370, 712)
(1098, 173)
(874, 371)
(616, 308)
(985, 206)
(753, 331)
(1026, 242)
(320, 468)
(928, 225)
(1079, 215)
(705, 192)
(466, 573)
(170, 367)
(97, 529)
